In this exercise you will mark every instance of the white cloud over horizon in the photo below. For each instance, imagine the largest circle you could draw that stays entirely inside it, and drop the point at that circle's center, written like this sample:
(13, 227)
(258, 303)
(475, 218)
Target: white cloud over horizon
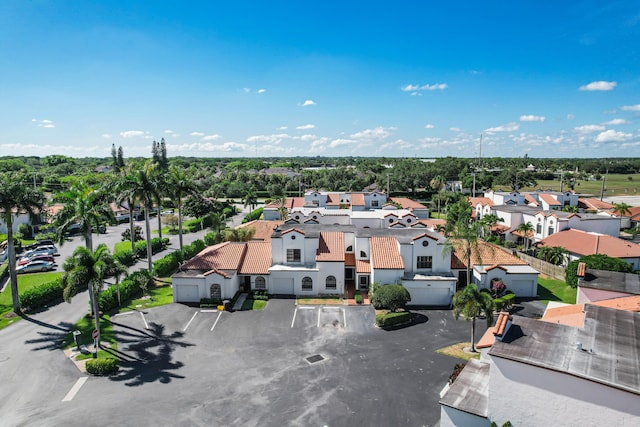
(600, 85)
(532, 118)
(307, 103)
(616, 122)
(305, 127)
(589, 128)
(132, 133)
(630, 107)
(210, 137)
(613, 136)
(509, 127)
(196, 134)
(428, 87)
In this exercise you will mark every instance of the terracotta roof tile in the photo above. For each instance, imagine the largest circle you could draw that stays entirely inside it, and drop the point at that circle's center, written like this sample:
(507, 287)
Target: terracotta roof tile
(407, 203)
(349, 260)
(363, 266)
(484, 201)
(593, 204)
(585, 243)
(501, 324)
(549, 199)
(582, 269)
(264, 229)
(357, 199)
(490, 334)
(333, 199)
(257, 259)
(531, 200)
(432, 222)
(224, 256)
(385, 254)
(484, 254)
(330, 246)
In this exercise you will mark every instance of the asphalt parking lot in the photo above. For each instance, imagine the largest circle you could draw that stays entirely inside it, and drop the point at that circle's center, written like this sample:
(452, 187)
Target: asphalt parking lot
(285, 365)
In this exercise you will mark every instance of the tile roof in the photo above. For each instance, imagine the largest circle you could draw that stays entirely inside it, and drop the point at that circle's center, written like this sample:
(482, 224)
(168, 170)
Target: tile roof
(264, 229)
(407, 203)
(484, 201)
(586, 243)
(492, 332)
(363, 266)
(289, 203)
(531, 200)
(573, 314)
(333, 199)
(385, 253)
(549, 199)
(330, 246)
(349, 260)
(223, 256)
(257, 258)
(593, 204)
(484, 254)
(357, 199)
(432, 222)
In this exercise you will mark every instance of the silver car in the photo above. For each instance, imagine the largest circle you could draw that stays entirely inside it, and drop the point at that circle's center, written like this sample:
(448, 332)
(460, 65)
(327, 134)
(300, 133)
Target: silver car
(34, 266)
(48, 250)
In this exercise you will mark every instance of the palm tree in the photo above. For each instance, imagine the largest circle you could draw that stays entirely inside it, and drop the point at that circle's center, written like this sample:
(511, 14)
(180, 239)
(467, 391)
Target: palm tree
(85, 207)
(122, 188)
(117, 270)
(622, 209)
(526, 229)
(218, 221)
(471, 303)
(87, 268)
(142, 187)
(250, 199)
(555, 255)
(465, 235)
(437, 183)
(180, 185)
(15, 196)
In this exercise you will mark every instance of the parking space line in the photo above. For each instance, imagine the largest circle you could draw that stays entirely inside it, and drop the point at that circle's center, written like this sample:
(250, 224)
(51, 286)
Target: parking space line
(319, 311)
(192, 317)
(344, 317)
(216, 322)
(294, 317)
(74, 390)
(146, 325)
(123, 314)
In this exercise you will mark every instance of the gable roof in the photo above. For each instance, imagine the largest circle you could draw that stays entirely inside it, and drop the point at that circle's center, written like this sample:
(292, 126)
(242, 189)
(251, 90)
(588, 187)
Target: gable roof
(407, 203)
(257, 258)
(385, 254)
(484, 254)
(531, 200)
(549, 199)
(330, 246)
(264, 229)
(363, 266)
(357, 199)
(223, 256)
(484, 201)
(593, 204)
(587, 243)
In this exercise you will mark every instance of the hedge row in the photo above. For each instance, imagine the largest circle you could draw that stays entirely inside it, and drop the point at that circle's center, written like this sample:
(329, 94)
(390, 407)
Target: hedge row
(505, 302)
(169, 263)
(189, 251)
(102, 367)
(4, 270)
(254, 215)
(125, 257)
(129, 289)
(39, 296)
(157, 245)
(390, 319)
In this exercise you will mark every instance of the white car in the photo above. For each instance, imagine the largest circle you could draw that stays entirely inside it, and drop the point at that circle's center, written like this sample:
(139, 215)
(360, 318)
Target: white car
(34, 266)
(49, 250)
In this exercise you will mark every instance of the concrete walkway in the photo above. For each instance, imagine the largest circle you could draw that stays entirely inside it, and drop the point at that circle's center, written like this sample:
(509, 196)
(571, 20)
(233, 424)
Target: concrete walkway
(238, 305)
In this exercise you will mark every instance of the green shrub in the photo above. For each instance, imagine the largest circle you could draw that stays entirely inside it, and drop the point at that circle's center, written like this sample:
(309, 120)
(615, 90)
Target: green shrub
(39, 296)
(189, 251)
(129, 289)
(505, 302)
(211, 238)
(254, 215)
(373, 290)
(259, 295)
(393, 297)
(102, 367)
(596, 262)
(46, 236)
(358, 298)
(390, 319)
(125, 256)
(167, 264)
(192, 225)
(509, 244)
(4, 270)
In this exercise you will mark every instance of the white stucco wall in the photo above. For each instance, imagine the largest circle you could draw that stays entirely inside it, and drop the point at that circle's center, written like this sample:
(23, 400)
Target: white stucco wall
(530, 396)
(450, 417)
(326, 269)
(606, 225)
(17, 221)
(385, 277)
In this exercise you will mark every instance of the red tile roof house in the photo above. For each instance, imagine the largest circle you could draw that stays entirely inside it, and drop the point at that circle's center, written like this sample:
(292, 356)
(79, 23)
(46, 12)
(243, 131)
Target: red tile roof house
(543, 373)
(321, 259)
(580, 243)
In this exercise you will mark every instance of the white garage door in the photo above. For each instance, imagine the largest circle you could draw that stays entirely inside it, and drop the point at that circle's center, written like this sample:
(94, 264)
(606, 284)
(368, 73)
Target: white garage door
(187, 293)
(523, 288)
(429, 296)
(281, 287)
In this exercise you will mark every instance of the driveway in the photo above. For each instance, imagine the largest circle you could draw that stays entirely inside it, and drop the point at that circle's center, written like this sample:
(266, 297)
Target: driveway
(326, 366)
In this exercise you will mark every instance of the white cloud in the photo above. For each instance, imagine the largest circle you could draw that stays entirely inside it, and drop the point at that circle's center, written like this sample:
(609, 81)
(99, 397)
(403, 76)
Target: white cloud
(631, 107)
(282, 128)
(429, 126)
(455, 129)
(307, 126)
(43, 123)
(106, 136)
(34, 120)
(246, 89)
(373, 134)
(273, 139)
(341, 141)
(48, 125)
(532, 118)
(415, 88)
(46, 122)
(196, 134)
(210, 137)
(307, 103)
(599, 85)
(207, 146)
(616, 122)
(131, 133)
(262, 90)
(509, 127)
(612, 136)
(589, 128)
(169, 131)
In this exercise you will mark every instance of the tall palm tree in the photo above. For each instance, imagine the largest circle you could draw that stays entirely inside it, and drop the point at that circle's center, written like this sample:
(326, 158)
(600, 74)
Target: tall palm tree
(526, 229)
(16, 196)
(180, 185)
(84, 206)
(117, 270)
(250, 199)
(123, 192)
(465, 235)
(87, 268)
(555, 255)
(470, 303)
(142, 187)
(622, 209)
(437, 183)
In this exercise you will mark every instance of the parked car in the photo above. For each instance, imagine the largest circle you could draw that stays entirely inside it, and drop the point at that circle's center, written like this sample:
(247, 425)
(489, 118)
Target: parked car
(50, 250)
(34, 266)
(36, 257)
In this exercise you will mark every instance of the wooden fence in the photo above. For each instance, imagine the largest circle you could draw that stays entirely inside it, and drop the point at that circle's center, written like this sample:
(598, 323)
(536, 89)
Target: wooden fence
(554, 271)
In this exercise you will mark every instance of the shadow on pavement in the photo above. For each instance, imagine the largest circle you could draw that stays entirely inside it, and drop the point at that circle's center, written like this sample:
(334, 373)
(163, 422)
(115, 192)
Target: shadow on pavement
(146, 355)
(49, 340)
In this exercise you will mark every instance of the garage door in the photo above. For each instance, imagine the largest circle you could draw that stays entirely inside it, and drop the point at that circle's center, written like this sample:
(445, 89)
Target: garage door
(187, 293)
(281, 287)
(523, 288)
(429, 296)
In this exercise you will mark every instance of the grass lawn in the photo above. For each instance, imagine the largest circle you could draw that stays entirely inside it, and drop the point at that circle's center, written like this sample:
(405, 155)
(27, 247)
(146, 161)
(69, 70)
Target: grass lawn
(617, 185)
(86, 326)
(25, 281)
(457, 350)
(159, 295)
(120, 246)
(251, 304)
(167, 231)
(320, 301)
(555, 290)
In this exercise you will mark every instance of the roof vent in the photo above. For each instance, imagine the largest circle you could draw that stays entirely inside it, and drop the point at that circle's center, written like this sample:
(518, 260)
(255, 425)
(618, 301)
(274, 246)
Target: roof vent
(578, 346)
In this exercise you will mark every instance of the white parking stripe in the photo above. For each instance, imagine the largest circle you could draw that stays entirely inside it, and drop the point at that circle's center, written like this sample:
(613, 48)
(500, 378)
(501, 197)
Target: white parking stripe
(192, 317)
(74, 390)
(294, 317)
(216, 322)
(319, 311)
(344, 316)
(146, 325)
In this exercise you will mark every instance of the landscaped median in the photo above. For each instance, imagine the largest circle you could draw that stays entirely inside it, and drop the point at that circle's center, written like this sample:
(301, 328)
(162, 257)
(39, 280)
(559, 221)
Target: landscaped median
(386, 318)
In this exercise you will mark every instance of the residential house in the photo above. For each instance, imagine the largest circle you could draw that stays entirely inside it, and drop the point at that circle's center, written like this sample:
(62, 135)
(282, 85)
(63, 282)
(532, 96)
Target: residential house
(599, 285)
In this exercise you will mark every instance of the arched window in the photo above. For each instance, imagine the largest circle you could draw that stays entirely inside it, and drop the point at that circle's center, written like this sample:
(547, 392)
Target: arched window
(216, 291)
(350, 248)
(307, 284)
(331, 282)
(363, 254)
(260, 283)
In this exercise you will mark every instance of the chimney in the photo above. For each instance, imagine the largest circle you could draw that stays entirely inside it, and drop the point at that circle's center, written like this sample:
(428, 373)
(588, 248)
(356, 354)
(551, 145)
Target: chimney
(582, 269)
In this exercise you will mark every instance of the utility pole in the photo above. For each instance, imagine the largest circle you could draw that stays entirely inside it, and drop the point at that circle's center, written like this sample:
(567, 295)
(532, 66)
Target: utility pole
(561, 180)
(604, 183)
(474, 185)
(388, 194)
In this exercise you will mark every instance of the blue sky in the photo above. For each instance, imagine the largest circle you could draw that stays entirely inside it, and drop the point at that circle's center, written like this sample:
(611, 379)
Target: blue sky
(329, 78)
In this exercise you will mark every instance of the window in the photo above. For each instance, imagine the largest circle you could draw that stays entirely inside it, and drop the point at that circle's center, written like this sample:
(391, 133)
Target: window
(348, 273)
(390, 220)
(425, 262)
(331, 282)
(539, 229)
(350, 248)
(260, 283)
(215, 292)
(550, 231)
(307, 284)
(364, 280)
(293, 255)
(374, 203)
(425, 243)
(408, 220)
(363, 254)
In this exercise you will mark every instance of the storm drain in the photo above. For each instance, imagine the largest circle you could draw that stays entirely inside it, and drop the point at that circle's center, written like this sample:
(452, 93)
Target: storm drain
(314, 359)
